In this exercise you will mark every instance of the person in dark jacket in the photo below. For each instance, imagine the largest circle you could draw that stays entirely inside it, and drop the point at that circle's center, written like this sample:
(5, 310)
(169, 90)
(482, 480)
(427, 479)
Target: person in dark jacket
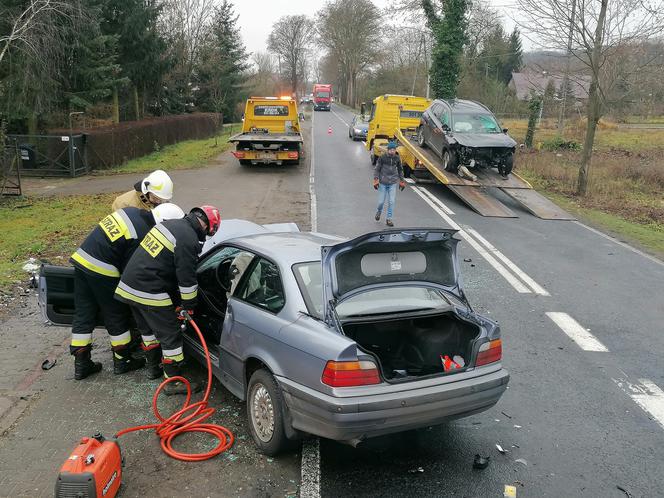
(98, 263)
(388, 172)
(160, 279)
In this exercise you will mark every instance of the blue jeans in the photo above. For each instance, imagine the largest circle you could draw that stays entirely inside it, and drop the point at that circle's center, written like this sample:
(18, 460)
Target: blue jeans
(388, 192)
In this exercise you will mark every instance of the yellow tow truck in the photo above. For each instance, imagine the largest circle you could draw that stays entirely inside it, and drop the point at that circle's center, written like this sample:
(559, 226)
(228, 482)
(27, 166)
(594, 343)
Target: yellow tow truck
(270, 132)
(397, 118)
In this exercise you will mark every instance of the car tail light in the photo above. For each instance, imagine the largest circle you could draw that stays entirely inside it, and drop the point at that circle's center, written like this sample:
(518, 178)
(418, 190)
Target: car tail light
(239, 154)
(292, 155)
(490, 352)
(350, 373)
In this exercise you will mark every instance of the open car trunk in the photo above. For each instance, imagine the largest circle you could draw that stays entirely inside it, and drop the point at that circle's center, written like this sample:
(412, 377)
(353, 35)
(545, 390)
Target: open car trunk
(408, 348)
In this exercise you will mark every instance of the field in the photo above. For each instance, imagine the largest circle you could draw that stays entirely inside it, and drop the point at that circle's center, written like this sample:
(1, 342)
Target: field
(626, 184)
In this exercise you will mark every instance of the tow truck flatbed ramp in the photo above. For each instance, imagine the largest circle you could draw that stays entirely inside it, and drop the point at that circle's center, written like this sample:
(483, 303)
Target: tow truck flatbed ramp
(476, 194)
(537, 204)
(478, 199)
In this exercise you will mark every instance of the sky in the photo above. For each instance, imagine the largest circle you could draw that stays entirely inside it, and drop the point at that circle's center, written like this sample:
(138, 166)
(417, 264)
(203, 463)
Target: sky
(257, 16)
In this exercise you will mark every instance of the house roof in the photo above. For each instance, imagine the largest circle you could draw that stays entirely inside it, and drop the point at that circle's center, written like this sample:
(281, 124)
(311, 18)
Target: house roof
(525, 84)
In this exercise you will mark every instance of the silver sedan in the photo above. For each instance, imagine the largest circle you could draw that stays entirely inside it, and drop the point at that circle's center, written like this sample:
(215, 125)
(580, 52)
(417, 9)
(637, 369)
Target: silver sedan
(343, 339)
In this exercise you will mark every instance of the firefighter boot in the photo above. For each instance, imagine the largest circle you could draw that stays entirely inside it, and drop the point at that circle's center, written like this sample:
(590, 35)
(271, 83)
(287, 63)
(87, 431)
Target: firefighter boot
(174, 369)
(83, 364)
(123, 362)
(153, 357)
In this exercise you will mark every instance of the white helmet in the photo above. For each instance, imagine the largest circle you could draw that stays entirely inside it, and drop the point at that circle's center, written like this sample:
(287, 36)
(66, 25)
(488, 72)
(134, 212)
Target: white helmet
(159, 183)
(167, 211)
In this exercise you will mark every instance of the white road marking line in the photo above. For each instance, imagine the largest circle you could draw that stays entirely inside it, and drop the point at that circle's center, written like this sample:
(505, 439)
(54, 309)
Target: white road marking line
(437, 201)
(538, 289)
(339, 117)
(647, 395)
(511, 279)
(410, 180)
(364, 143)
(576, 332)
(622, 244)
(312, 186)
(310, 473)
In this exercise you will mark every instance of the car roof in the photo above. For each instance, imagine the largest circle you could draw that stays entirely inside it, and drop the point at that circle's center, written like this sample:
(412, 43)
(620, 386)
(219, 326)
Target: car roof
(465, 105)
(287, 248)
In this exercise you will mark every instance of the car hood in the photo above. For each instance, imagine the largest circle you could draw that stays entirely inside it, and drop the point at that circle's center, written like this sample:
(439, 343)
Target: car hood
(426, 256)
(484, 139)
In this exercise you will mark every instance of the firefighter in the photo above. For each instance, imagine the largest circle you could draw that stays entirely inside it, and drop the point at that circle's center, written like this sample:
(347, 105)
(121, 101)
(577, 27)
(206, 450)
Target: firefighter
(154, 189)
(98, 264)
(160, 279)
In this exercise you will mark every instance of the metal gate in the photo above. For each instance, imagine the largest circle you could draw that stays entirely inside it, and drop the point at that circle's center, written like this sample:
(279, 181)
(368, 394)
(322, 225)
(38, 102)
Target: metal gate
(10, 169)
(52, 155)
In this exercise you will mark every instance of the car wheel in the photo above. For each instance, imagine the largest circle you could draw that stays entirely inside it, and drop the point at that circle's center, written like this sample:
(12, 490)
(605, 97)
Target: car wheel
(265, 407)
(450, 161)
(508, 165)
(374, 158)
(420, 137)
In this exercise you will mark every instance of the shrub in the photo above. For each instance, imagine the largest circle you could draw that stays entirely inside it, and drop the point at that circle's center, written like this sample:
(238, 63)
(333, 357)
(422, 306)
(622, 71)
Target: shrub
(559, 143)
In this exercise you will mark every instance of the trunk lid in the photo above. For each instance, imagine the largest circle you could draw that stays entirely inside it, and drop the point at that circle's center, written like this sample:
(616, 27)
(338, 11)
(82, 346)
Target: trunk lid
(425, 256)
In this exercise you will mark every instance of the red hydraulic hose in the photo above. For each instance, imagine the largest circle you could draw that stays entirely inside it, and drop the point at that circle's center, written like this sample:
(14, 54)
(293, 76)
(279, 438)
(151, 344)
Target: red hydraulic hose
(189, 418)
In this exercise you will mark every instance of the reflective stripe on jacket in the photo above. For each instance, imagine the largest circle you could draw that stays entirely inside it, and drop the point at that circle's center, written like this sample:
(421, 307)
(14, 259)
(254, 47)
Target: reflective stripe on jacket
(108, 247)
(162, 272)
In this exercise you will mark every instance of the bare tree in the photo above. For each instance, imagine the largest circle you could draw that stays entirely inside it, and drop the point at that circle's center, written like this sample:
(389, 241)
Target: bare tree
(185, 22)
(290, 38)
(38, 15)
(264, 79)
(599, 31)
(350, 29)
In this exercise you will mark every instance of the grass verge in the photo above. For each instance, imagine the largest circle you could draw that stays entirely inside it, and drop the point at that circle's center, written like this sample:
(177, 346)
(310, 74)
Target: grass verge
(44, 228)
(189, 154)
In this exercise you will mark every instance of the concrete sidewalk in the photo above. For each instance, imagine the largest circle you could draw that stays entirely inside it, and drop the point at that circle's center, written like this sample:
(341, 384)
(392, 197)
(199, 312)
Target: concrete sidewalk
(43, 414)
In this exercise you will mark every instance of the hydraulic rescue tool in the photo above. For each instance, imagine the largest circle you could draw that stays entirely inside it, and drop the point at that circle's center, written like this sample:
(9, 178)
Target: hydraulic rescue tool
(94, 468)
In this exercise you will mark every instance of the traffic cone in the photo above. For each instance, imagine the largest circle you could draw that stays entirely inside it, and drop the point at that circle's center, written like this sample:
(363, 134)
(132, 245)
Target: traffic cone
(329, 130)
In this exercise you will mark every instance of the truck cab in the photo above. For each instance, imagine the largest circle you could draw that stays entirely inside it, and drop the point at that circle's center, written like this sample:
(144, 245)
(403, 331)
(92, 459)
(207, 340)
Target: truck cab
(390, 113)
(322, 97)
(270, 132)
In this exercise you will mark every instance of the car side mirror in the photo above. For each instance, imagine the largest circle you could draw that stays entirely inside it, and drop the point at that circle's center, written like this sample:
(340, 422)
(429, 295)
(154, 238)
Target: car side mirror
(505, 130)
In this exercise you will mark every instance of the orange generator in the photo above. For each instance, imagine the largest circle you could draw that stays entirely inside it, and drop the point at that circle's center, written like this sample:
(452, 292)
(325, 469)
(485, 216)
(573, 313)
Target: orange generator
(94, 469)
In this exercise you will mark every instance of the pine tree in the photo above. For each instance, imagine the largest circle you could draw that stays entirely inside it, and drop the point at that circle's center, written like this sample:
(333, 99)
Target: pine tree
(515, 55)
(224, 60)
(449, 31)
(141, 48)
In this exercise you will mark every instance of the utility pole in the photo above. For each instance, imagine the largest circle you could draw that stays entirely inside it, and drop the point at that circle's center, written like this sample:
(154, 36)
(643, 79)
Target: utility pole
(417, 63)
(561, 117)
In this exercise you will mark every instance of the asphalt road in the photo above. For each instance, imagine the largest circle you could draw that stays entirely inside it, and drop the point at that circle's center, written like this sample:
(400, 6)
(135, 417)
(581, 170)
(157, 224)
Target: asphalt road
(582, 318)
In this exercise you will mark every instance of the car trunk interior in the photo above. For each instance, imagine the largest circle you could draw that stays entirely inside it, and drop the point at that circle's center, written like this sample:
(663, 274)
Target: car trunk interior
(413, 347)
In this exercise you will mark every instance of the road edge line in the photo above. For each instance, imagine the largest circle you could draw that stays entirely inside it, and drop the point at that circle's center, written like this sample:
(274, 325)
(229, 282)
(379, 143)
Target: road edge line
(537, 288)
(313, 203)
(435, 199)
(504, 272)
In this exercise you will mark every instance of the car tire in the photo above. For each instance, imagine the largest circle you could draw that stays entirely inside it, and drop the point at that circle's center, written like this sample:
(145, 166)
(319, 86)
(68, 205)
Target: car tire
(508, 165)
(420, 137)
(265, 414)
(374, 159)
(450, 162)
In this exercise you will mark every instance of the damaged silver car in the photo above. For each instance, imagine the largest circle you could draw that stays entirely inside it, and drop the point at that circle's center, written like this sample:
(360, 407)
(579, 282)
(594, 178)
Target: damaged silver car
(342, 339)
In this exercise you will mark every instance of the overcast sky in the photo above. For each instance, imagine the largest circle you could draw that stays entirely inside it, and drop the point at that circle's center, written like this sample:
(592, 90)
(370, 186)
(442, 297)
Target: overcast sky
(257, 16)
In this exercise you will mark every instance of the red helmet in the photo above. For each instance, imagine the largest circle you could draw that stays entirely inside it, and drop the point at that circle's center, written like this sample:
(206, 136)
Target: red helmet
(211, 216)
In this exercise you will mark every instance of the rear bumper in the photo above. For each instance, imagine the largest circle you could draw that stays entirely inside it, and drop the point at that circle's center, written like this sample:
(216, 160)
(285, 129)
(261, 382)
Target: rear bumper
(354, 419)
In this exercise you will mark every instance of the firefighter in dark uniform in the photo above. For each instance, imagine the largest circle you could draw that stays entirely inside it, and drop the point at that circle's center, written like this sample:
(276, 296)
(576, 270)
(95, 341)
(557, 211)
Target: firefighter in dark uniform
(159, 279)
(98, 264)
